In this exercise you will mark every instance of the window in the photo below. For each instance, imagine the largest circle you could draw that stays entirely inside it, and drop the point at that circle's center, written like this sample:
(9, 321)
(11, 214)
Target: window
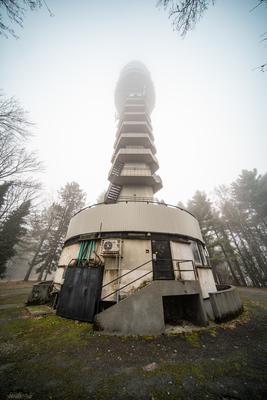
(204, 254)
(196, 253)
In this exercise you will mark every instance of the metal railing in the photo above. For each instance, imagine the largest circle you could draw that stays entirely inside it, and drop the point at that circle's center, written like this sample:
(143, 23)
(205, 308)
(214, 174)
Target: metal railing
(136, 172)
(134, 122)
(134, 199)
(194, 270)
(142, 200)
(121, 276)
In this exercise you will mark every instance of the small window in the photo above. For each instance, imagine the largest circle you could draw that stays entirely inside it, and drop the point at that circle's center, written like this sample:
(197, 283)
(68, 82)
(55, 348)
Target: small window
(196, 253)
(204, 254)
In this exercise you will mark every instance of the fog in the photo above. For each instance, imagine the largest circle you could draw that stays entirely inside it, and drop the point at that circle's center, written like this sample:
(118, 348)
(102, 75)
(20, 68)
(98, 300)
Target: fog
(210, 119)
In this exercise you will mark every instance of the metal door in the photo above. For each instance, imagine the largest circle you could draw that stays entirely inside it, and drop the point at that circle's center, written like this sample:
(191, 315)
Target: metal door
(80, 293)
(162, 260)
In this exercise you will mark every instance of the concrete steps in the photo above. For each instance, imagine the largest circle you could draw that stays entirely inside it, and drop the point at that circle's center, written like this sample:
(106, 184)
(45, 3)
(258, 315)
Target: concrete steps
(147, 311)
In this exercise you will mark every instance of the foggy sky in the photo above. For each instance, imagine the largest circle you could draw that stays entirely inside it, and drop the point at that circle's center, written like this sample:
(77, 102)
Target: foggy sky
(210, 119)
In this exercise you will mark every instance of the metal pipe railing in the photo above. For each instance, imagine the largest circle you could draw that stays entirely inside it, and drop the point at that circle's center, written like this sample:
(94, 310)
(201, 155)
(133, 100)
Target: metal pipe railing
(117, 290)
(194, 270)
(127, 273)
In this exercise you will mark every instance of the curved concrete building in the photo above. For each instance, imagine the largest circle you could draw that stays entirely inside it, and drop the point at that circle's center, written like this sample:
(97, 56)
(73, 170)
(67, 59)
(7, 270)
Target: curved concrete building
(132, 259)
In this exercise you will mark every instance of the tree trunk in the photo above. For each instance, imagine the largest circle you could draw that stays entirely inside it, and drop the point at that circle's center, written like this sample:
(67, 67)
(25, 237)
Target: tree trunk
(32, 263)
(227, 259)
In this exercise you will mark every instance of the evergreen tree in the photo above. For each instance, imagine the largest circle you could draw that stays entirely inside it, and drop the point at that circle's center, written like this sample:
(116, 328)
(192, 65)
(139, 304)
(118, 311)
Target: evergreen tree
(52, 227)
(221, 251)
(235, 229)
(11, 232)
(201, 207)
(3, 191)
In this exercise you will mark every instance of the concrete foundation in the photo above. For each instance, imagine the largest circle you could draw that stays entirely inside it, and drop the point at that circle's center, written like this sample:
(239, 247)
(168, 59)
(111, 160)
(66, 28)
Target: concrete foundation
(225, 303)
(144, 313)
(209, 309)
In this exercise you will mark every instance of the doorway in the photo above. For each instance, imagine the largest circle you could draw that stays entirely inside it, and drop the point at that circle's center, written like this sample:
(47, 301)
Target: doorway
(162, 260)
(183, 308)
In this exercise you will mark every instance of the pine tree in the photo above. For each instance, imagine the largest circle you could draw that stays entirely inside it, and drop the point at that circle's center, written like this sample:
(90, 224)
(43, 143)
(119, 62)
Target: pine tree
(215, 236)
(53, 228)
(3, 191)
(12, 231)
(235, 229)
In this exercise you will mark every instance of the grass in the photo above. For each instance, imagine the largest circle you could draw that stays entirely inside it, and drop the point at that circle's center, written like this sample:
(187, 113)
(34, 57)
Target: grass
(50, 357)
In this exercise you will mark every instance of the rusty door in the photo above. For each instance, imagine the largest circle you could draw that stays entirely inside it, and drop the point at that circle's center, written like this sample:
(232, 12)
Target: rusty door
(80, 293)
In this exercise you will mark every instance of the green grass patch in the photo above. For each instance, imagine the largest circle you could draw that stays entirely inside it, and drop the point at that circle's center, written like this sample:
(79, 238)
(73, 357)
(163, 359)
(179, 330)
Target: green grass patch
(193, 338)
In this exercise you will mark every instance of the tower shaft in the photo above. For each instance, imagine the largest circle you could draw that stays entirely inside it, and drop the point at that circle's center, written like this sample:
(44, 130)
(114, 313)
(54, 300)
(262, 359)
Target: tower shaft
(132, 175)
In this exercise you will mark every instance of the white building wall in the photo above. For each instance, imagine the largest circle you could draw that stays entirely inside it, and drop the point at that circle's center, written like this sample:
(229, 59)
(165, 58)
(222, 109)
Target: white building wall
(134, 217)
(136, 191)
(206, 280)
(182, 251)
(134, 253)
(58, 279)
(68, 253)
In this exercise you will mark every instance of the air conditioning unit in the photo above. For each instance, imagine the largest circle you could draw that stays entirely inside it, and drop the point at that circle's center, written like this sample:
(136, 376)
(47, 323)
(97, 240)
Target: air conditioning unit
(110, 247)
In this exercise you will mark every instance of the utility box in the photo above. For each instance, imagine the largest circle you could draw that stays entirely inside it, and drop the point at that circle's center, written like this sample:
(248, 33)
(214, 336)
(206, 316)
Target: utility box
(111, 247)
(41, 293)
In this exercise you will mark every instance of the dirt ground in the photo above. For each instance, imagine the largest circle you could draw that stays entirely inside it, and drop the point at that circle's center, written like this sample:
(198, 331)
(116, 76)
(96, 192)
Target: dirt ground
(53, 358)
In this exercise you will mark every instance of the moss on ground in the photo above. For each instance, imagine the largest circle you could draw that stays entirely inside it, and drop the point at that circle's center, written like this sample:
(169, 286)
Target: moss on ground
(41, 333)
(54, 358)
(193, 338)
(205, 370)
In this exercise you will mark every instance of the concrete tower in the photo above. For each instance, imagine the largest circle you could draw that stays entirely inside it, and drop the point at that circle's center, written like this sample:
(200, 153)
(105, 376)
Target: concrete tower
(132, 175)
(132, 264)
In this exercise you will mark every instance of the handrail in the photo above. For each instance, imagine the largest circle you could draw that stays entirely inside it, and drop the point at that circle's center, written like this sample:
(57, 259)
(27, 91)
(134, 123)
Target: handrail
(149, 272)
(185, 270)
(121, 276)
(136, 201)
(117, 290)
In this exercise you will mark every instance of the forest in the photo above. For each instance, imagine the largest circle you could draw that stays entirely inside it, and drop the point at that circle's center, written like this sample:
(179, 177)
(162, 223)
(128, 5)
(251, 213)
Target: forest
(234, 228)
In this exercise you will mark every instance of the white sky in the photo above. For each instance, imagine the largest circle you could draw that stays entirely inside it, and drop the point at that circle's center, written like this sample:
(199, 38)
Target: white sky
(210, 119)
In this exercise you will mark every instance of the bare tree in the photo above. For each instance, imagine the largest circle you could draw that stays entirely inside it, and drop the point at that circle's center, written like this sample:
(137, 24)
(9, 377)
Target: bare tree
(13, 117)
(17, 192)
(185, 13)
(14, 11)
(15, 160)
(17, 186)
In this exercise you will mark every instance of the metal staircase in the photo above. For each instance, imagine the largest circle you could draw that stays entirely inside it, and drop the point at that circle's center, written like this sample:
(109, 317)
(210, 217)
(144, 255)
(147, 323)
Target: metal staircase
(116, 170)
(105, 302)
(113, 193)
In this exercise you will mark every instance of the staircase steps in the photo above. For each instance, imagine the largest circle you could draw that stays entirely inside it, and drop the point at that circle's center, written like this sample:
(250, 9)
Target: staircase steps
(113, 193)
(116, 170)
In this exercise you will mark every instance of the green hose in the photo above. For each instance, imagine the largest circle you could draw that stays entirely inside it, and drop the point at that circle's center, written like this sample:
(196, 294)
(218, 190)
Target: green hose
(87, 247)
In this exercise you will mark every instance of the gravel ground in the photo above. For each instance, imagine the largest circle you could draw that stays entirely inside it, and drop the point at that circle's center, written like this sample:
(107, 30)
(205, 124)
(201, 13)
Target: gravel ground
(54, 358)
